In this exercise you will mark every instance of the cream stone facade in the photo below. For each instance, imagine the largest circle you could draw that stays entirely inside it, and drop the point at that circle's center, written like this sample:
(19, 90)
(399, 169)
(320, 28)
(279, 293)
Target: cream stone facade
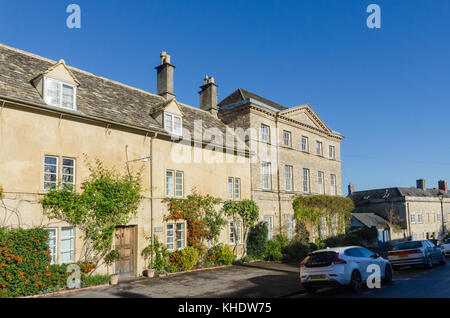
(287, 160)
(123, 127)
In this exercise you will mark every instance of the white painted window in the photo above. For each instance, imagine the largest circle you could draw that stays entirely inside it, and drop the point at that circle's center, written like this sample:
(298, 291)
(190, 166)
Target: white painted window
(268, 219)
(238, 232)
(438, 217)
(289, 226)
(287, 139)
(180, 236)
(421, 236)
(306, 181)
(414, 236)
(266, 177)
(237, 189)
(173, 124)
(321, 182)
(289, 179)
(332, 152)
(170, 244)
(319, 149)
(52, 244)
(265, 133)
(169, 183)
(50, 173)
(59, 94)
(230, 188)
(419, 218)
(333, 190)
(305, 146)
(179, 184)
(232, 232)
(68, 172)
(413, 218)
(67, 245)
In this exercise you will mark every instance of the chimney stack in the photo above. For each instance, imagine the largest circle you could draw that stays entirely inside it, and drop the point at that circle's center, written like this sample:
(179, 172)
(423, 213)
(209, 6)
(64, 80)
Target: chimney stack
(421, 184)
(208, 96)
(351, 189)
(165, 77)
(443, 185)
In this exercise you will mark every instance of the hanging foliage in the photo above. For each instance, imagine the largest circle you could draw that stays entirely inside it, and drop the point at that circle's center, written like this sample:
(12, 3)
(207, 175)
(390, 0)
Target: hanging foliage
(326, 213)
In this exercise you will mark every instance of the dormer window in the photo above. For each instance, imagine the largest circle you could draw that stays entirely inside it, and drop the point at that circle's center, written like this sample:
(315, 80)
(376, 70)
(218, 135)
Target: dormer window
(59, 94)
(173, 124)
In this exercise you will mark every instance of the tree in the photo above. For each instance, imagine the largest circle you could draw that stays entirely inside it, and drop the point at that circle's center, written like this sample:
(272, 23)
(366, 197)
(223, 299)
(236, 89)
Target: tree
(246, 211)
(107, 200)
(336, 211)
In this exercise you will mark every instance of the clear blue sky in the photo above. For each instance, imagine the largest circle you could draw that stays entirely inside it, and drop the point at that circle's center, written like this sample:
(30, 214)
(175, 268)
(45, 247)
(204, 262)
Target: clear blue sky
(386, 90)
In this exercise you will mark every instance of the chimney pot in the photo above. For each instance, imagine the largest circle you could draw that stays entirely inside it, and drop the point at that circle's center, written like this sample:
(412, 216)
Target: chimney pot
(443, 185)
(421, 184)
(165, 77)
(351, 189)
(208, 96)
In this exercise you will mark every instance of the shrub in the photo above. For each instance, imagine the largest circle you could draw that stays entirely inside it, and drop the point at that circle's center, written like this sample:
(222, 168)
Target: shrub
(360, 237)
(298, 249)
(94, 280)
(273, 251)
(257, 241)
(220, 255)
(188, 258)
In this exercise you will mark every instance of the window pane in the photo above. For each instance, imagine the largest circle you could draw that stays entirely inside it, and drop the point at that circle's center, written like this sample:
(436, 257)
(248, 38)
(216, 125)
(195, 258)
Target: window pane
(320, 181)
(230, 188)
(52, 92)
(290, 226)
(67, 245)
(179, 184)
(333, 184)
(169, 183)
(68, 97)
(52, 244)
(168, 125)
(305, 180)
(238, 232)
(169, 239)
(177, 125)
(50, 172)
(266, 182)
(288, 173)
(237, 189)
(231, 233)
(268, 220)
(180, 235)
(304, 144)
(68, 172)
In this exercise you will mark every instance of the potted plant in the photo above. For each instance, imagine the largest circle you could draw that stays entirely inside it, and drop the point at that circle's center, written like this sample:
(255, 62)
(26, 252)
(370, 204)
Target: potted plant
(155, 253)
(110, 258)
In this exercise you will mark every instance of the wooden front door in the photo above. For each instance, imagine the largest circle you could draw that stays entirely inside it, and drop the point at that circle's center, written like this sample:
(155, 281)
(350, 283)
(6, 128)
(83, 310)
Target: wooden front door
(124, 243)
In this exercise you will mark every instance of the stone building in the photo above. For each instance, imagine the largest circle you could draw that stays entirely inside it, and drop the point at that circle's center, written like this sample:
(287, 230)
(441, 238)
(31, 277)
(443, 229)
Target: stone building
(51, 115)
(411, 213)
(296, 154)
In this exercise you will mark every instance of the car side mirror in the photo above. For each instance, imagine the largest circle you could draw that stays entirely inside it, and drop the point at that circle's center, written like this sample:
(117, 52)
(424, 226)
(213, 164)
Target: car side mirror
(376, 255)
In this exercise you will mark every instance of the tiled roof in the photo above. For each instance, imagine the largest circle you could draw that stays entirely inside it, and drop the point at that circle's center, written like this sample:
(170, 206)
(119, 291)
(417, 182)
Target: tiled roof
(96, 96)
(371, 219)
(241, 94)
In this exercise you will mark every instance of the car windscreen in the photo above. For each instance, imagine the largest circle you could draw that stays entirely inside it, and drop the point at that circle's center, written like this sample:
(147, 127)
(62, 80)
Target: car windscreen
(320, 259)
(407, 245)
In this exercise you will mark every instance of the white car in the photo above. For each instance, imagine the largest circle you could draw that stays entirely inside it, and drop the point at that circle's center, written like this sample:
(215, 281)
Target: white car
(341, 266)
(446, 246)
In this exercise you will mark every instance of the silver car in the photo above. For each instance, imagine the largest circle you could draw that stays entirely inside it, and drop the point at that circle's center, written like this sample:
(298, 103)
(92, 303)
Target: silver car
(416, 252)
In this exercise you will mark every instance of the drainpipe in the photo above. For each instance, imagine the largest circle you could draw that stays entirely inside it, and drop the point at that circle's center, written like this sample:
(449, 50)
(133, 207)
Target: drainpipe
(151, 191)
(409, 220)
(278, 174)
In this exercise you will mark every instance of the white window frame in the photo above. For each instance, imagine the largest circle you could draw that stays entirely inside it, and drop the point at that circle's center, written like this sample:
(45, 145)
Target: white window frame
(72, 249)
(231, 230)
(419, 218)
(412, 218)
(53, 254)
(265, 135)
(333, 188)
(268, 219)
(177, 183)
(74, 171)
(183, 231)
(170, 189)
(319, 148)
(266, 169)
(438, 217)
(230, 188)
(237, 188)
(60, 92)
(171, 130)
(238, 232)
(305, 145)
(321, 182)
(288, 174)
(173, 236)
(289, 226)
(51, 173)
(306, 181)
(332, 152)
(289, 138)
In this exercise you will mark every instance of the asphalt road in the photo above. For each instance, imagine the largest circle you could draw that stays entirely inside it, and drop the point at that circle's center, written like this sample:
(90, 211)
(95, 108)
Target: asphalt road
(408, 282)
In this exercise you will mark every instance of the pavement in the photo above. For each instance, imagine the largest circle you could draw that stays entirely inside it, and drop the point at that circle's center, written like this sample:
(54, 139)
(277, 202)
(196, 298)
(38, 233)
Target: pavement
(255, 280)
(270, 280)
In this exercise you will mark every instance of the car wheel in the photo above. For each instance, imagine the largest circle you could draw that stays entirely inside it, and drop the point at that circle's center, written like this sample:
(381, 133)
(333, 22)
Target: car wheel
(429, 262)
(310, 290)
(356, 281)
(387, 274)
(443, 260)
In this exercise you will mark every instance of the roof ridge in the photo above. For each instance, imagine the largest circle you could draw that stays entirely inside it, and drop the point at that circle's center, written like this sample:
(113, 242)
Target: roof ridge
(77, 69)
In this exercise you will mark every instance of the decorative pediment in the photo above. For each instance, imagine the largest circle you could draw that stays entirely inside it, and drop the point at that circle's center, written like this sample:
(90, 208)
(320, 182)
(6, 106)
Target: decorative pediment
(305, 115)
(59, 72)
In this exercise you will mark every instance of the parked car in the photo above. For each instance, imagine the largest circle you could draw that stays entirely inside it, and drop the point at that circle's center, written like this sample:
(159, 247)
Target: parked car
(416, 252)
(341, 266)
(446, 246)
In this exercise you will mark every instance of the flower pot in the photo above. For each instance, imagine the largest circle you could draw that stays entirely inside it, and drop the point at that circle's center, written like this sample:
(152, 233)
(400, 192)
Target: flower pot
(114, 279)
(149, 272)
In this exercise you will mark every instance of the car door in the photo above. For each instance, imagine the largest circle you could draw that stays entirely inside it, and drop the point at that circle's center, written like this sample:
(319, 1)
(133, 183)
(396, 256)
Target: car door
(435, 251)
(355, 257)
(368, 260)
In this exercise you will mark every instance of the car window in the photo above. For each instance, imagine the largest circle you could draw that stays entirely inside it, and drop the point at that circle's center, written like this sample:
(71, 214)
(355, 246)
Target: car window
(365, 252)
(353, 252)
(408, 245)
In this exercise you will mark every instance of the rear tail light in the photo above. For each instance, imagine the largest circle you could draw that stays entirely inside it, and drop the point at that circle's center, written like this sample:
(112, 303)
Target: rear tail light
(338, 260)
(302, 263)
(393, 253)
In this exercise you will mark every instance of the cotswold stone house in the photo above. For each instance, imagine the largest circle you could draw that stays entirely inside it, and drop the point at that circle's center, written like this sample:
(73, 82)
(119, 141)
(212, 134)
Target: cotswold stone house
(296, 154)
(52, 114)
(420, 212)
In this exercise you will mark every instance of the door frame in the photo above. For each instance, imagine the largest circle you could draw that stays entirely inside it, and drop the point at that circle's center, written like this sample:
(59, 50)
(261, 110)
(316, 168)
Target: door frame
(134, 245)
